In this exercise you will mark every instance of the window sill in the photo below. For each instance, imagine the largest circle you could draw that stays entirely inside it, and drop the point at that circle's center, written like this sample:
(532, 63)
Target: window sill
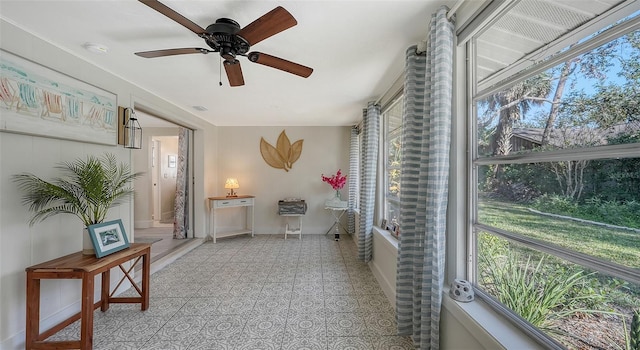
(484, 327)
(388, 237)
(489, 329)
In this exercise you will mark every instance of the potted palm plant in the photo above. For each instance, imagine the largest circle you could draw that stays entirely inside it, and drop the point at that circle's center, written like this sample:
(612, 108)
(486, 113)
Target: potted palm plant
(88, 189)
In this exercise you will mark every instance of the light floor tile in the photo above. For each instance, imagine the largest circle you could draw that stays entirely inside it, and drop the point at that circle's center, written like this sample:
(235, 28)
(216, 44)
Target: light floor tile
(198, 306)
(381, 323)
(392, 343)
(256, 293)
(306, 326)
(265, 326)
(138, 330)
(180, 328)
(223, 327)
(167, 345)
(341, 303)
(117, 345)
(304, 343)
(345, 324)
(272, 304)
(261, 344)
(349, 343)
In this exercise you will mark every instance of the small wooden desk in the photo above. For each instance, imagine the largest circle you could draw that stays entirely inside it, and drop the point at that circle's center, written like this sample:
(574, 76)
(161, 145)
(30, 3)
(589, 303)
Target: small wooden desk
(84, 267)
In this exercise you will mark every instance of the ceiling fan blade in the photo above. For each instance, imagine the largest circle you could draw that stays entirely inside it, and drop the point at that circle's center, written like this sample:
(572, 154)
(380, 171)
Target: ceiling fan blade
(279, 63)
(171, 52)
(165, 10)
(271, 23)
(234, 72)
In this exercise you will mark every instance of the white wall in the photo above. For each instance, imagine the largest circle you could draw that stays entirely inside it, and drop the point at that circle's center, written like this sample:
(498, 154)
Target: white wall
(22, 246)
(325, 150)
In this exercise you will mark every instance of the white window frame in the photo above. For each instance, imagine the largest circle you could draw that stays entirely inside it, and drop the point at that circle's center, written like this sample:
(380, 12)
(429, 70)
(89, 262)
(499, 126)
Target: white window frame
(398, 98)
(600, 152)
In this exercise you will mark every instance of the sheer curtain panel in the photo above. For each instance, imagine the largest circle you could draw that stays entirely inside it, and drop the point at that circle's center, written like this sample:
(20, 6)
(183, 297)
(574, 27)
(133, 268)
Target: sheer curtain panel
(424, 182)
(370, 137)
(181, 215)
(353, 179)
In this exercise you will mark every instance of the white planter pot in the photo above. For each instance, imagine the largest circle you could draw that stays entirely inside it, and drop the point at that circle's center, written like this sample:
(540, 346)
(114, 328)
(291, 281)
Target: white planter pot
(87, 244)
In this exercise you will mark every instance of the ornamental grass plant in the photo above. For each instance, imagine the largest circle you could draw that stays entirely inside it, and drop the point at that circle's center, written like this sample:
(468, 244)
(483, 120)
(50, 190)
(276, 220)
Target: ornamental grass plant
(540, 292)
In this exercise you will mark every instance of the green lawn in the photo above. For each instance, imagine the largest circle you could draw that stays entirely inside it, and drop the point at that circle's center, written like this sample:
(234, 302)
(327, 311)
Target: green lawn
(619, 246)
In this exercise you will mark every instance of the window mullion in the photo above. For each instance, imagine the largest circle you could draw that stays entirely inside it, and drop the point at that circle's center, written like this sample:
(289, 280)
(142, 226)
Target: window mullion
(629, 150)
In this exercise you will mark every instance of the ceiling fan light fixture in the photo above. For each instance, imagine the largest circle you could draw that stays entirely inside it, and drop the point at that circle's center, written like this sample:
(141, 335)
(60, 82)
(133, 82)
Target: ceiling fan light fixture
(228, 53)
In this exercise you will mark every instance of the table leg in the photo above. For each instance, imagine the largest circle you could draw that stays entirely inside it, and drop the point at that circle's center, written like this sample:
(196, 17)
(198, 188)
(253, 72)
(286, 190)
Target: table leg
(146, 268)
(337, 233)
(330, 228)
(86, 320)
(106, 284)
(33, 310)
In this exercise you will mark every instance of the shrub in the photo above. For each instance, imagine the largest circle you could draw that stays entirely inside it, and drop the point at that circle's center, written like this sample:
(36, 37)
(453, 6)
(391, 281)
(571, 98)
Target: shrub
(538, 291)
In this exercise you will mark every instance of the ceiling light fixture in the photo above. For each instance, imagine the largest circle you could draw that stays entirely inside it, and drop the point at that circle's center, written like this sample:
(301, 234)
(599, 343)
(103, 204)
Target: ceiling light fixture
(200, 108)
(96, 48)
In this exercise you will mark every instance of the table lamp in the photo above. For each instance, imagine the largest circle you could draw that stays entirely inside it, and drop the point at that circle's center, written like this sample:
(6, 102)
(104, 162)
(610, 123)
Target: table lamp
(231, 184)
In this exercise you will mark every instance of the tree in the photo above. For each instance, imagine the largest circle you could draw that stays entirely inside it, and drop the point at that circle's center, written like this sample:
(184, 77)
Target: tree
(571, 113)
(510, 106)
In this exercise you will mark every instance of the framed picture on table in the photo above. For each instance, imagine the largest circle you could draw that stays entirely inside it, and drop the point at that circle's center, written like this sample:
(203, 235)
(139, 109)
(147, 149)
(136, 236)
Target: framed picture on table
(108, 237)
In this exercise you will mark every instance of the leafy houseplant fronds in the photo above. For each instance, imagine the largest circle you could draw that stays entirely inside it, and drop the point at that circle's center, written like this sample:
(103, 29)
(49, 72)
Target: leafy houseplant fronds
(87, 189)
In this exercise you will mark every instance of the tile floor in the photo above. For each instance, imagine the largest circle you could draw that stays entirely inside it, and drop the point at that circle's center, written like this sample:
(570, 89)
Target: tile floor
(161, 235)
(256, 293)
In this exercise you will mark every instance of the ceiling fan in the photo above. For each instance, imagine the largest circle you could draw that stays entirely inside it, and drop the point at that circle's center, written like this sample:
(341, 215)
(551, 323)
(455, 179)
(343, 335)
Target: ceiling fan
(226, 37)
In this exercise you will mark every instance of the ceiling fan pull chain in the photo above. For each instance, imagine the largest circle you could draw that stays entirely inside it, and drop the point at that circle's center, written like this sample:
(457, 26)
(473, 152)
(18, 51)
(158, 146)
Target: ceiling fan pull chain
(220, 72)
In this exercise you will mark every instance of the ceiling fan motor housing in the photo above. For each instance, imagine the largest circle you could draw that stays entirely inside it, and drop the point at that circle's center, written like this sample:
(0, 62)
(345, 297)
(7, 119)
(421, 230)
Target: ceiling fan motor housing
(223, 38)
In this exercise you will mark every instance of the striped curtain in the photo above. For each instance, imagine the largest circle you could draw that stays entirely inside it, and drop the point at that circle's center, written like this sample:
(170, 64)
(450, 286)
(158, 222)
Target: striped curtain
(181, 211)
(353, 179)
(424, 181)
(370, 137)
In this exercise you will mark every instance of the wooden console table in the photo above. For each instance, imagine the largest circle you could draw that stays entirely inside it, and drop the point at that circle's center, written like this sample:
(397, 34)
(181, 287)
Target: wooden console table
(84, 267)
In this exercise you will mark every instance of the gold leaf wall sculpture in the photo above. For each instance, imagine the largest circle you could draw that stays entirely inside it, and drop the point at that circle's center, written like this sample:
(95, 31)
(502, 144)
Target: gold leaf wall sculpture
(283, 155)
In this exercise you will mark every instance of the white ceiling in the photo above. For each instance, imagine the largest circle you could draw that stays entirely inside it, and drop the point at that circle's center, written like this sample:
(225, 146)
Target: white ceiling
(356, 49)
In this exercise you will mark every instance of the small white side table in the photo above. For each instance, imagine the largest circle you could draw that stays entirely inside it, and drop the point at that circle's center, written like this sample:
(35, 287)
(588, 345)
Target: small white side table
(289, 230)
(337, 213)
(292, 207)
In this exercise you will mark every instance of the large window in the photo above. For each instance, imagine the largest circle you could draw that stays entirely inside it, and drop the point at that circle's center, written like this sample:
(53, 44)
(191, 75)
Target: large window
(556, 199)
(392, 117)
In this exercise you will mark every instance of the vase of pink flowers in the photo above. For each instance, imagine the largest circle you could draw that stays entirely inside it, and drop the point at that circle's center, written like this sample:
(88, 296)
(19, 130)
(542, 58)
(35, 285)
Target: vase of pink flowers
(337, 182)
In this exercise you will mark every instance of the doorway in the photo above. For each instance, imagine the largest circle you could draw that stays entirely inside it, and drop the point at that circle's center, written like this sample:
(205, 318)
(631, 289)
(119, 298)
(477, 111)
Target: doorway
(154, 202)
